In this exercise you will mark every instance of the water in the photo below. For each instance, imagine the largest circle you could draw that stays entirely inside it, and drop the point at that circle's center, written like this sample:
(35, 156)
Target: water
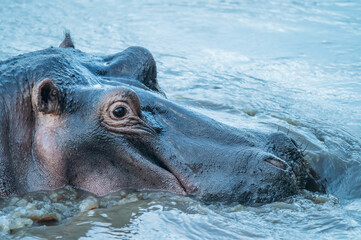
(292, 66)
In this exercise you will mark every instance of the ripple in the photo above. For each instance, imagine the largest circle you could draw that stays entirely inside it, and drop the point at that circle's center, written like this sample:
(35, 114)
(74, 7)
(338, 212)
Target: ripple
(291, 66)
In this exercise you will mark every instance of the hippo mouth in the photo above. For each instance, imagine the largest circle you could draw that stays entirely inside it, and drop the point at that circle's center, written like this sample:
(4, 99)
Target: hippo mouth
(174, 182)
(176, 185)
(159, 170)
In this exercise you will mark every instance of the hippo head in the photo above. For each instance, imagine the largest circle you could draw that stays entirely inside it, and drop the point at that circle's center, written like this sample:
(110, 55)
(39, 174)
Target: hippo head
(101, 123)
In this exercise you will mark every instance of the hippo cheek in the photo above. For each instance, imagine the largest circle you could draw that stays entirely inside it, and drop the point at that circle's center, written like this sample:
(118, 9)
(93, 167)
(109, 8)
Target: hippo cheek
(48, 155)
(103, 173)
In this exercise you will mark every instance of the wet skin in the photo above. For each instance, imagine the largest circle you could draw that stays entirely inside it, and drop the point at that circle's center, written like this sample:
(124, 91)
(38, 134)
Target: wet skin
(102, 124)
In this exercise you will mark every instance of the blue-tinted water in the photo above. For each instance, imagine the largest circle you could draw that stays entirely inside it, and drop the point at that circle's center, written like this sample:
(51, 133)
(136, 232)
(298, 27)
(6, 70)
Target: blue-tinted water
(292, 66)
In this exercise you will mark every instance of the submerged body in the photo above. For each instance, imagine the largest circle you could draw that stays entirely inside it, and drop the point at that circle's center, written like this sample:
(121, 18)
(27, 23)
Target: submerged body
(103, 124)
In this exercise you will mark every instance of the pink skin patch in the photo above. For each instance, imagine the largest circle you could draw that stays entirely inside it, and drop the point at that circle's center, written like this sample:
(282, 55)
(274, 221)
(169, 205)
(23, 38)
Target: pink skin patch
(47, 152)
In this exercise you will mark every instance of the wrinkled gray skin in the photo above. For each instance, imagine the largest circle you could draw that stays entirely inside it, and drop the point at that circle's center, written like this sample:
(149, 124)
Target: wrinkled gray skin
(102, 124)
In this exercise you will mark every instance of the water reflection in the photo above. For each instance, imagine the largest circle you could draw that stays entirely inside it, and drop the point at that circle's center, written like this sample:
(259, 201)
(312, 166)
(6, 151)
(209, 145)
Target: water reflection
(161, 215)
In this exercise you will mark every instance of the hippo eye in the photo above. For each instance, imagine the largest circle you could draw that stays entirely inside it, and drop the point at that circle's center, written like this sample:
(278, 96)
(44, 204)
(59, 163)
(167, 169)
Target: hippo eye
(120, 112)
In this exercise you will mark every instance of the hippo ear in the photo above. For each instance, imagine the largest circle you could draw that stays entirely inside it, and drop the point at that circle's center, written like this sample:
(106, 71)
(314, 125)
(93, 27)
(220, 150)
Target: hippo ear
(134, 62)
(67, 42)
(46, 97)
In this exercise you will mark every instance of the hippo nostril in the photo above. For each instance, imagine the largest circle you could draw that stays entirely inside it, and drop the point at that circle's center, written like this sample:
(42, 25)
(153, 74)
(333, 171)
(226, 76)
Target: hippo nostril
(277, 163)
(294, 143)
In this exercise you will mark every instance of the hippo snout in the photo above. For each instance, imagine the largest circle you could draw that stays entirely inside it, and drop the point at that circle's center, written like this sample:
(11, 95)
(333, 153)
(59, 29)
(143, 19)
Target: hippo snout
(287, 151)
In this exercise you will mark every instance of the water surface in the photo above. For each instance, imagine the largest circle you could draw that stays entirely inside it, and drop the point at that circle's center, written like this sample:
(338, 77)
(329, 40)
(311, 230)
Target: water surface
(292, 66)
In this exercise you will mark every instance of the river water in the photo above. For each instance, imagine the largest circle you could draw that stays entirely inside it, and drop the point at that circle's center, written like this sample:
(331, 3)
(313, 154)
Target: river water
(292, 66)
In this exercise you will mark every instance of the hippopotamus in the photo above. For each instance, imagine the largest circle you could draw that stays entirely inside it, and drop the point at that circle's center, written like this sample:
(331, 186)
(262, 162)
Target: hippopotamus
(102, 124)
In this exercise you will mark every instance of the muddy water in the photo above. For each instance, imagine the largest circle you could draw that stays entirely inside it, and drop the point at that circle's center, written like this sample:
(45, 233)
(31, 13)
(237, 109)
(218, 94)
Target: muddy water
(291, 66)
